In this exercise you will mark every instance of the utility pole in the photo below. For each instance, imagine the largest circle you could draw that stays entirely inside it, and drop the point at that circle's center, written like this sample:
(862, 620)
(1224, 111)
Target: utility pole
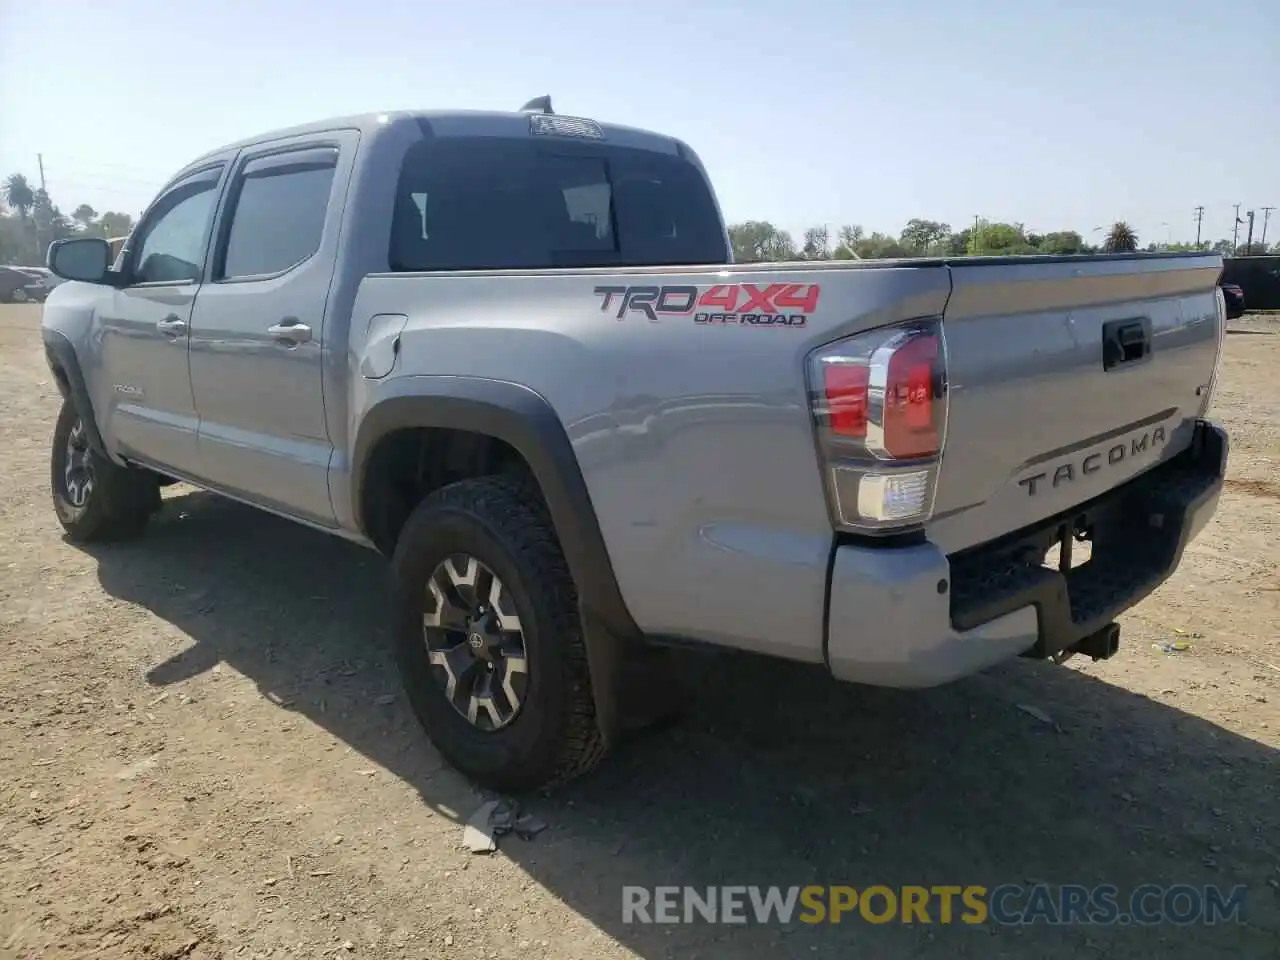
(977, 243)
(1266, 218)
(1235, 231)
(1200, 220)
(35, 221)
(1248, 244)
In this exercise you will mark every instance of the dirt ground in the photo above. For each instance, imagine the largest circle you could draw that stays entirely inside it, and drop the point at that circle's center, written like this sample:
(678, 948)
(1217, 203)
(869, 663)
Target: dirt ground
(204, 754)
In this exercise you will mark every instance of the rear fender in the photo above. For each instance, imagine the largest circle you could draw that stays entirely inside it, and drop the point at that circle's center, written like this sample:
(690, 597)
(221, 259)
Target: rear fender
(523, 419)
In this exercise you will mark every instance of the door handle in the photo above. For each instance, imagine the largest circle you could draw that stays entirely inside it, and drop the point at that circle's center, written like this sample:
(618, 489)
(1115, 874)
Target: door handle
(172, 326)
(290, 332)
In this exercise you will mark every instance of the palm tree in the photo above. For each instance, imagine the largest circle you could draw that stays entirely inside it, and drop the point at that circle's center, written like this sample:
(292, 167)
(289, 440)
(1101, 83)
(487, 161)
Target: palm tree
(1120, 239)
(19, 195)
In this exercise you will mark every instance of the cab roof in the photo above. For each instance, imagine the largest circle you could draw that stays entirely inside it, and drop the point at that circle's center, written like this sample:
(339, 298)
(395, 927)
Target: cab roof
(474, 123)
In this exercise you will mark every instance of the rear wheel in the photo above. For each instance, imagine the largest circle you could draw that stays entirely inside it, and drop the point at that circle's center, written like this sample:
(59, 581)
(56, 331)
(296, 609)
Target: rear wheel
(94, 497)
(19, 296)
(489, 638)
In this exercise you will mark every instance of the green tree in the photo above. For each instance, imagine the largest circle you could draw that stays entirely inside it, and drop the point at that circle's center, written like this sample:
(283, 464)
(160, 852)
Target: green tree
(1120, 239)
(847, 239)
(755, 241)
(1062, 243)
(880, 246)
(850, 234)
(115, 224)
(923, 237)
(999, 240)
(816, 243)
(15, 240)
(19, 195)
(84, 215)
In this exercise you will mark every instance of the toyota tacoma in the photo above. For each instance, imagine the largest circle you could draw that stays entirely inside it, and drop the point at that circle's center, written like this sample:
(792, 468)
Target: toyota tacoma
(511, 352)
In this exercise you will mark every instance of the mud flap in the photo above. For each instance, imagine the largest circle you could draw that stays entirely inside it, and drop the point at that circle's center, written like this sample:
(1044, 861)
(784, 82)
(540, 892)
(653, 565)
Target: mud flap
(605, 656)
(635, 685)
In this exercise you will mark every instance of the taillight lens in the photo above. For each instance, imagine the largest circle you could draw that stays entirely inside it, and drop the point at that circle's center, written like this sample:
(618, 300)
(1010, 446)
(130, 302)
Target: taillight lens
(845, 390)
(909, 426)
(879, 401)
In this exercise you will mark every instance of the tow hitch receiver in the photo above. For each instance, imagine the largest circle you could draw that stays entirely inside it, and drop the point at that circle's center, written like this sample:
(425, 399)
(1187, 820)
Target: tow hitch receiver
(1101, 645)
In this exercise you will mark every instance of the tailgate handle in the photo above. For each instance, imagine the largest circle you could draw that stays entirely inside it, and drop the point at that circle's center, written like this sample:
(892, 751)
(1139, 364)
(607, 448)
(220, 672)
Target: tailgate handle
(1125, 342)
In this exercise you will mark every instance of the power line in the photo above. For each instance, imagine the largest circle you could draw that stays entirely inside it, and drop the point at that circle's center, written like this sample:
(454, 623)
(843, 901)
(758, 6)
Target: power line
(83, 176)
(127, 168)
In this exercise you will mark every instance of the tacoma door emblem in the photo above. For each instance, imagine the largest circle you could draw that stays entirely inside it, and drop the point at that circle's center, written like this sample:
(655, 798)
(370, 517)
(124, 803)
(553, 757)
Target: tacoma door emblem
(129, 390)
(1069, 471)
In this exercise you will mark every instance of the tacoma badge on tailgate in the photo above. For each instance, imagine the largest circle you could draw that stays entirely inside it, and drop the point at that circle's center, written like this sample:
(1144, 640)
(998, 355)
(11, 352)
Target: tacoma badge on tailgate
(1070, 470)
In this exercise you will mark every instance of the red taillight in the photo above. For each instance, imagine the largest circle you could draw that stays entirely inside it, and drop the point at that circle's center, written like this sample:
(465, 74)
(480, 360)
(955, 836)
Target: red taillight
(846, 393)
(910, 428)
(879, 400)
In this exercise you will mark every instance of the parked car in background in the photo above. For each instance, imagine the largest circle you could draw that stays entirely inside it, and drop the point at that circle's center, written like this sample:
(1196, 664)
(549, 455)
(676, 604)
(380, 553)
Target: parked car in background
(1234, 297)
(25, 284)
(45, 281)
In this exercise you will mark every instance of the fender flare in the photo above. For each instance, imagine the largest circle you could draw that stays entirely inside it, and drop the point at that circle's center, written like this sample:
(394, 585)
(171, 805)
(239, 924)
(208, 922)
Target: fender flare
(61, 357)
(525, 420)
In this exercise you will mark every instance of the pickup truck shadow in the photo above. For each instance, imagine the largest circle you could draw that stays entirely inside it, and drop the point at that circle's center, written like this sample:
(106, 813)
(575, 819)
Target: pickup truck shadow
(777, 776)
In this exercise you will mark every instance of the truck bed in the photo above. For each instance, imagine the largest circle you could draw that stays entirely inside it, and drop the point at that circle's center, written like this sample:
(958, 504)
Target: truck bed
(695, 433)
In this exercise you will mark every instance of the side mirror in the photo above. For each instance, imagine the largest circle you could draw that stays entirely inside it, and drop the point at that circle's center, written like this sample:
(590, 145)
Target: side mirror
(82, 258)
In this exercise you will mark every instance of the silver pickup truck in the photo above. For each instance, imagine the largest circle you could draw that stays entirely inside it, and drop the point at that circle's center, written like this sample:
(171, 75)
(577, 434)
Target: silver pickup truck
(510, 352)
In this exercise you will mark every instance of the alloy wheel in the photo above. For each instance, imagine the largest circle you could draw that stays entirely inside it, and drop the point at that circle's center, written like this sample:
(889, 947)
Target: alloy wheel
(77, 473)
(475, 642)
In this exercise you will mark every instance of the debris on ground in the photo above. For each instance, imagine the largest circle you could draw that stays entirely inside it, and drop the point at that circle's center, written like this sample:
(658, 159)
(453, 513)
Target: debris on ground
(528, 826)
(497, 818)
(477, 836)
(1171, 646)
(1035, 712)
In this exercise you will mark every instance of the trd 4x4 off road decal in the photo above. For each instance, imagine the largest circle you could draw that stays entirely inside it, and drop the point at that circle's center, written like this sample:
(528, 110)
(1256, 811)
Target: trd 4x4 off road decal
(731, 304)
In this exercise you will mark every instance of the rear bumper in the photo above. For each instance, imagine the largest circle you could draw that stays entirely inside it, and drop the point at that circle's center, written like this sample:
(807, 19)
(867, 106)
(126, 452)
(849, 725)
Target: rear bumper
(915, 617)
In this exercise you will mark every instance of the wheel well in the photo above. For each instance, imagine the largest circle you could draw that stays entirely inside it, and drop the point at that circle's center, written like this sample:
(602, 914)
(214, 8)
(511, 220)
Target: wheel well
(60, 377)
(411, 463)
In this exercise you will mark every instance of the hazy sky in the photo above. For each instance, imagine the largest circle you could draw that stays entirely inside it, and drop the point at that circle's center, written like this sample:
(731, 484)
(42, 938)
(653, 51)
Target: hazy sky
(1062, 116)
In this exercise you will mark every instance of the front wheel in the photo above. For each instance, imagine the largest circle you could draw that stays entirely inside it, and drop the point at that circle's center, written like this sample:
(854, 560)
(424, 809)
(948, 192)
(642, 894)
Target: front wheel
(94, 497)
(489, 639)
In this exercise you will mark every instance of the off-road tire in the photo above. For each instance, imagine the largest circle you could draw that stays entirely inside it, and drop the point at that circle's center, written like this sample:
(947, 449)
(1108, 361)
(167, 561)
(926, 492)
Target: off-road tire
(501, 523)
(120, 501)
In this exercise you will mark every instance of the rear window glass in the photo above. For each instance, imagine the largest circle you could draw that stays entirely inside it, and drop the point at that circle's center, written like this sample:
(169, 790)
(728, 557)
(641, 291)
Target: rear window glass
(505, 203)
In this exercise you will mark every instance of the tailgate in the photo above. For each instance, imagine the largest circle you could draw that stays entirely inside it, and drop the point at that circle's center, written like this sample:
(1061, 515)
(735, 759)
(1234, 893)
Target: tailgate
(1042, 415)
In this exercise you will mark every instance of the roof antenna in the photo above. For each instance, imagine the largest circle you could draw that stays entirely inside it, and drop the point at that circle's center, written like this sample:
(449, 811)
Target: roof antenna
(538, 105)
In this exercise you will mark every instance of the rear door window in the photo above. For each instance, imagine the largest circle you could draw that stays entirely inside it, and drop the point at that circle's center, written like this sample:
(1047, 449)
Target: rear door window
(279, 208)
(505, 203)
